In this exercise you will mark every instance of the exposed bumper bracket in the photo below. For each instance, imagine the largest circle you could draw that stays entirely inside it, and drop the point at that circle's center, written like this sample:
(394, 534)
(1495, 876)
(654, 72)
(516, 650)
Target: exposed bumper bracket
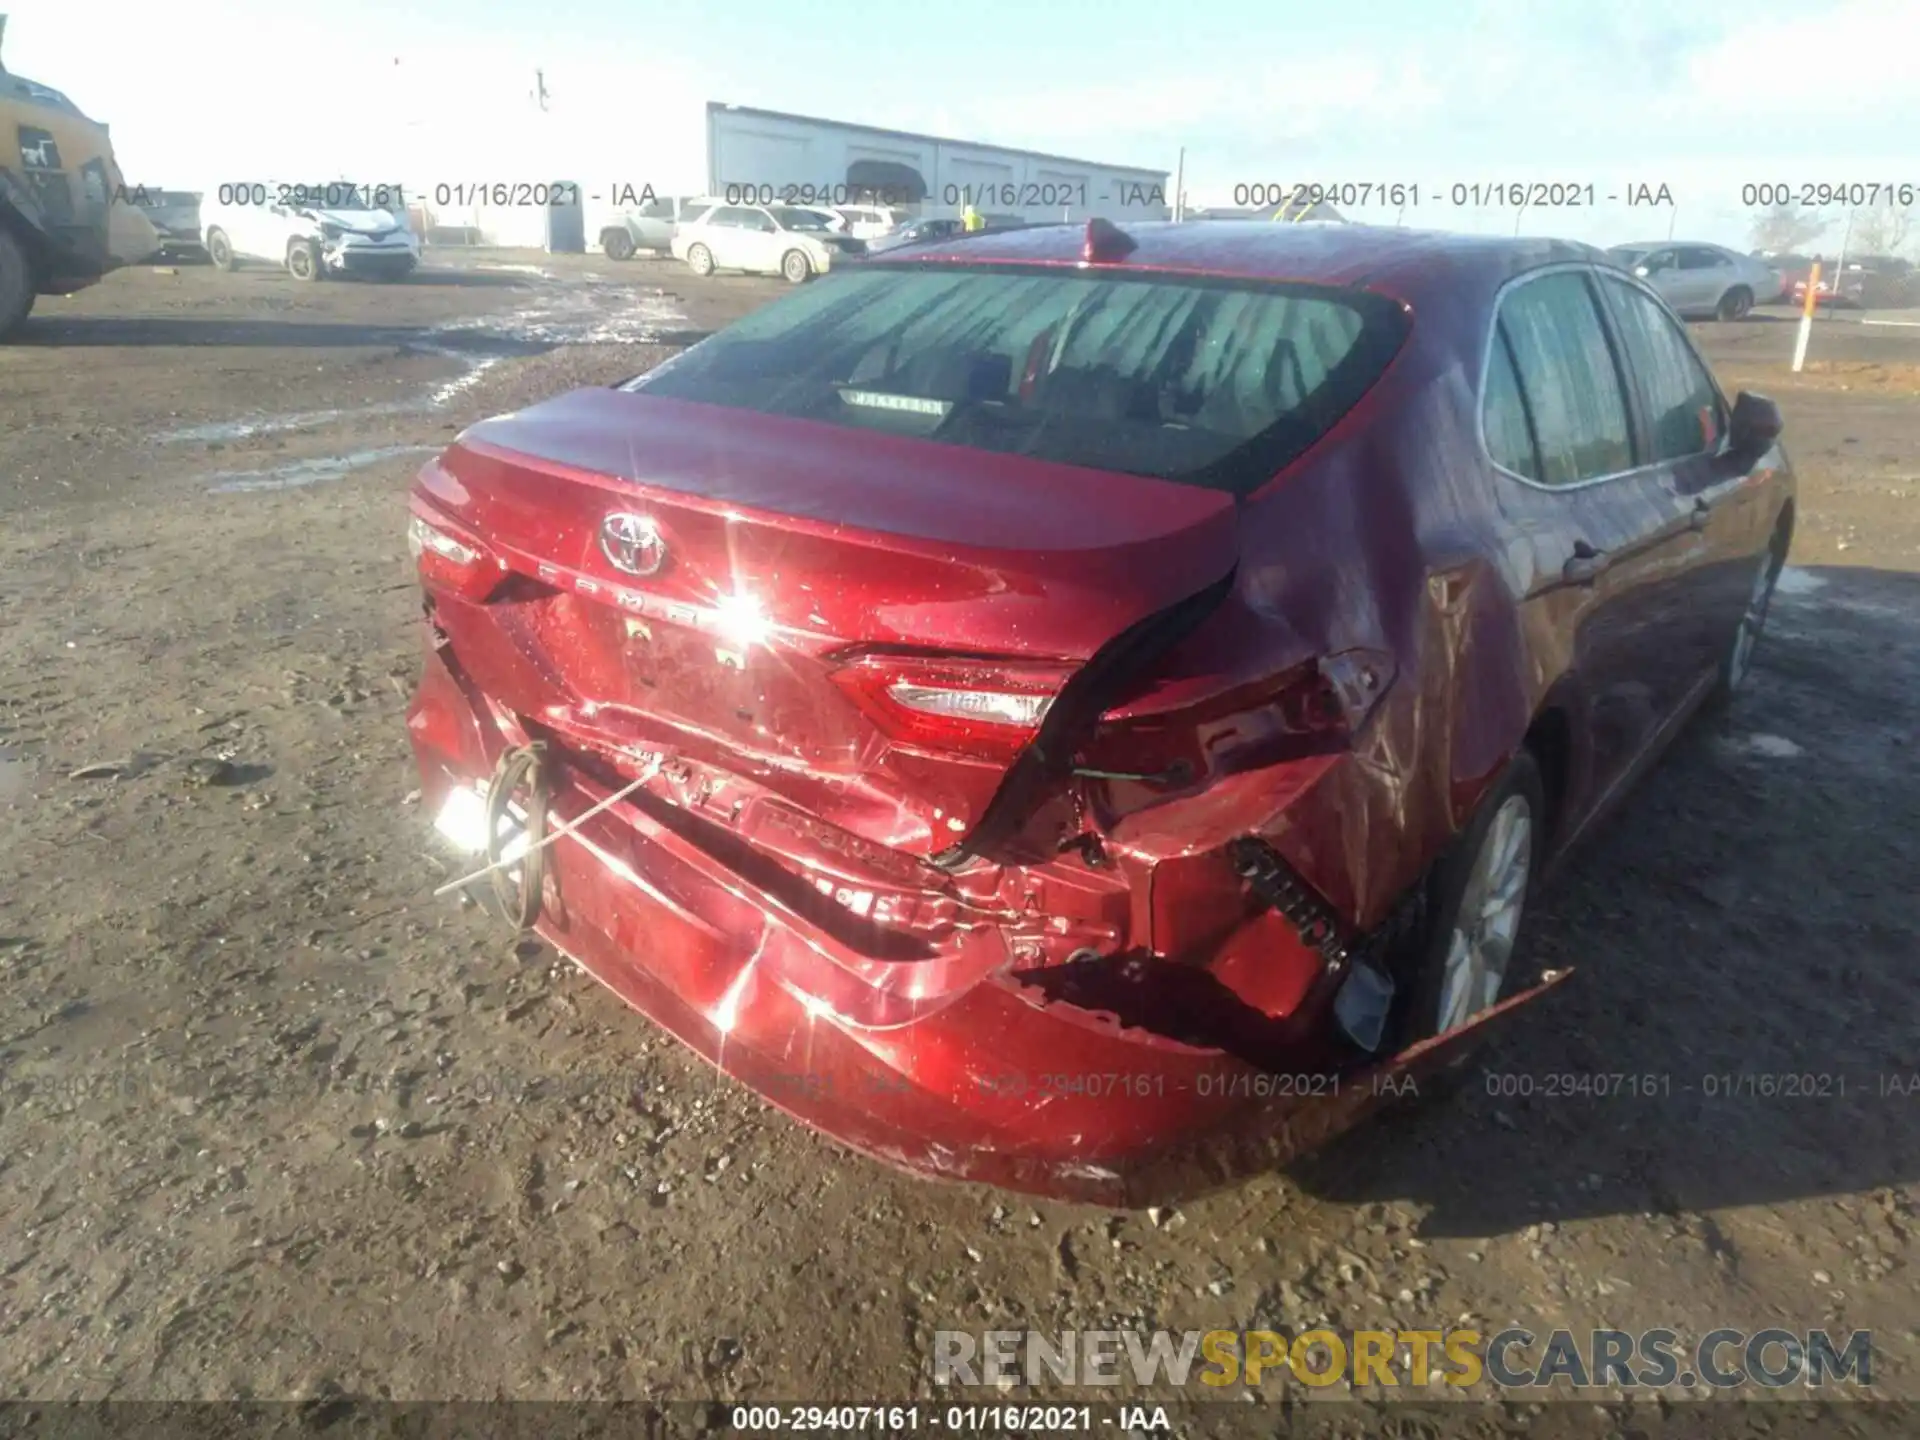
(1275, 882)
(1359, 968)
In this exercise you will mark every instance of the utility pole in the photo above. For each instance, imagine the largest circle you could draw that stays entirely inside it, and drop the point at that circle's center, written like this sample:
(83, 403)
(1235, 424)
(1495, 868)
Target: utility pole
(1840, 266)
(1673, 217)
(540, 88)
(1180, 186)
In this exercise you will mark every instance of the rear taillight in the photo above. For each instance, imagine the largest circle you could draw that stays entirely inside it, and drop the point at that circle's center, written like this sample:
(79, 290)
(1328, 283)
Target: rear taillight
(451, 561)
(983, 709)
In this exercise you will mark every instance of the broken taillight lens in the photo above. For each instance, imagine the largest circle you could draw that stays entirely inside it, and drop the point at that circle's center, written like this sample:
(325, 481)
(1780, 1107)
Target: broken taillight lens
(982, 709)
(451, 561)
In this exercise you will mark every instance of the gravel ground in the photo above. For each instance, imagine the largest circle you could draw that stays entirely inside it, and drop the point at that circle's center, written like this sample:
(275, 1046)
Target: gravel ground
(273, 1122)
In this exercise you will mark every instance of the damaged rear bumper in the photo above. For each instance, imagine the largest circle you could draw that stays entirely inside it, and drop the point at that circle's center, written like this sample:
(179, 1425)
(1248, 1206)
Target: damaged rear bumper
(996, 1081)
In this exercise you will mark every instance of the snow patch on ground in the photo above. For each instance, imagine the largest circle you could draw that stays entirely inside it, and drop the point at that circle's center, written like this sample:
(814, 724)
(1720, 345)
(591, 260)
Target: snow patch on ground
(598, 316)
(1795, 581)
(592, 315)
(1768, 747)
(298, 473)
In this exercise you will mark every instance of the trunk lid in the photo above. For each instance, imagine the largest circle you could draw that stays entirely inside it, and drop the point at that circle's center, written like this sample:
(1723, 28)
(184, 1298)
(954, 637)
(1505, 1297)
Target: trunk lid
(764, 561)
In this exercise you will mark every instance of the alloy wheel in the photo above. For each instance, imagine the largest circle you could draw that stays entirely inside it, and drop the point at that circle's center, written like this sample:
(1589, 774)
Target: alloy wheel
(1488, 921)
(1752, 621)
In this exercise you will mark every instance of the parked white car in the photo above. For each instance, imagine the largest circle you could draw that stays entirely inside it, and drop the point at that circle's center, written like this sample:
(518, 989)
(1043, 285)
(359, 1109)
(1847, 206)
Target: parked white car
(784, 240)
(870, 222)
(313, 230)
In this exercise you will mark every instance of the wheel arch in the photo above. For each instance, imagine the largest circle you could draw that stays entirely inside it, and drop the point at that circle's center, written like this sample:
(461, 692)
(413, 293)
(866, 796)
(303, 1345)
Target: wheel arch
(1550, 740)
(1783, 527)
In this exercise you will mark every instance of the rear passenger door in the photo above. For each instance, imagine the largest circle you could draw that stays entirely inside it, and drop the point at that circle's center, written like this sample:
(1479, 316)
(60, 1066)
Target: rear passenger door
(1608, 539)
(1704, 276)
(726, 236)
(654, 224)
(252, 228)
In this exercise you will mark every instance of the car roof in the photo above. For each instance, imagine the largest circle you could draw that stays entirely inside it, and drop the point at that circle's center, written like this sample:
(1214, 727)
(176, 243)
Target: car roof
(1398, 261)
(1680, 244)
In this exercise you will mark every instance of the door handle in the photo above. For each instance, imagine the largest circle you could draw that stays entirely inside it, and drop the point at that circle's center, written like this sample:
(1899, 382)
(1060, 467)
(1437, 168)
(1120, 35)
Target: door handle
(1585, 564)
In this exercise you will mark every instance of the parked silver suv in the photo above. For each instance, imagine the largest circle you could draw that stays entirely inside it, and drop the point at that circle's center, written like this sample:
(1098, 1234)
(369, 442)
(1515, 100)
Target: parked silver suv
(1700, 280)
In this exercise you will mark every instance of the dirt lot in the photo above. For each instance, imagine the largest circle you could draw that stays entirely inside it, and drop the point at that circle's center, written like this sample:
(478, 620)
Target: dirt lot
(274, 1122)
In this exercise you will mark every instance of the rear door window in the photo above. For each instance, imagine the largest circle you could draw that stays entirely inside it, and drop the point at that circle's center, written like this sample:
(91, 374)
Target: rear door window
(1683, 408)
(1213, 383)
(1506, 420)
(1568, 376)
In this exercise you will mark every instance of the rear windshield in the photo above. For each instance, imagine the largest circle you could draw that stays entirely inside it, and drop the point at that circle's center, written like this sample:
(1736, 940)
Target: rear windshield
(1210, 383)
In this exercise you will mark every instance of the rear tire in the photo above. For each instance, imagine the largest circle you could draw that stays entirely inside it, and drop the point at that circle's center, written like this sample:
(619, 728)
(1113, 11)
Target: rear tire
(795, 268)
(220, 252)
(304, 262)
(1474, 953)
(618, 244)
(700, 260)
(1735, 304)
(17, 284)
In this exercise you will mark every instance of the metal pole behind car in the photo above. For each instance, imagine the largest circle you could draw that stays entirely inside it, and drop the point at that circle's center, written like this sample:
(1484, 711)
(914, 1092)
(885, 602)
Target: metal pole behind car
(1806, 319)
(1840, 265)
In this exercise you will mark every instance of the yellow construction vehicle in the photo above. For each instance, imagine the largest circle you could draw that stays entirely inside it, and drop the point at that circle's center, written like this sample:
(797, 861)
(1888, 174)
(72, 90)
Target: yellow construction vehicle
(65, 215)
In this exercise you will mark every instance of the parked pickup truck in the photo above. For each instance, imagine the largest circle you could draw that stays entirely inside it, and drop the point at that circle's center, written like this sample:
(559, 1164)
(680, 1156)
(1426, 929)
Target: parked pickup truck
(650, 226)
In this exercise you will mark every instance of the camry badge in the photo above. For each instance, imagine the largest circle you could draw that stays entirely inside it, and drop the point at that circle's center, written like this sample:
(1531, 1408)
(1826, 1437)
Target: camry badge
(633, 544)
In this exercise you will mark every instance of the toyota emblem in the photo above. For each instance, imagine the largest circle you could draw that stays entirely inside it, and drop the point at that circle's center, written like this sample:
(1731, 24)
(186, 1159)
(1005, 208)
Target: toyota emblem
(633, 544)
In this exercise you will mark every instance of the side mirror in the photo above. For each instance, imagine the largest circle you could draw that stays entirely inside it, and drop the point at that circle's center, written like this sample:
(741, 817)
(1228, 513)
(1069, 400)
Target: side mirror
(1754, 425)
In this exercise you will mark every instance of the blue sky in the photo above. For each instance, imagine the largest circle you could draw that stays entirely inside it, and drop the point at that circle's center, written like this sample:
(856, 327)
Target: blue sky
(1702, 97)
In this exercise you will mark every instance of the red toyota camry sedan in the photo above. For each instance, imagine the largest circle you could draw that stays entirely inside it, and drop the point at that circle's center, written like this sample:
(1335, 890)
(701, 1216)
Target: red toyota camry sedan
(1080, 708)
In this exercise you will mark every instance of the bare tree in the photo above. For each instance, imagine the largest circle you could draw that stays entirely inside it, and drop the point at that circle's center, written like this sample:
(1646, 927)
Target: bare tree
(1786, 228)
(1881, 231)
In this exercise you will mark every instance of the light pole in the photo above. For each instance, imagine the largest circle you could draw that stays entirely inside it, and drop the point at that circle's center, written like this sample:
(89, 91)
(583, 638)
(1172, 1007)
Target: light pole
(1840, 265)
